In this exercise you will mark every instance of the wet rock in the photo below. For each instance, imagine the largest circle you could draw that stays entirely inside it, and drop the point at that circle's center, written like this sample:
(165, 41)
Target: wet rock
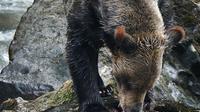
(26, 91)
(64, 99)
(37, 52)
(185, 13)
(181, 70)
(195, 69)
(168, 90)
(188, 82)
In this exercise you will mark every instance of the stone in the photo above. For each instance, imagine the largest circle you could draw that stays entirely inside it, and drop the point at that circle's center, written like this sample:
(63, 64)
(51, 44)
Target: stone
(37, 52)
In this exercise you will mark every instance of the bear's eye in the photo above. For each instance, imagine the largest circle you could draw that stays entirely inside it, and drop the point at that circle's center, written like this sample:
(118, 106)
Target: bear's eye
(127, 47)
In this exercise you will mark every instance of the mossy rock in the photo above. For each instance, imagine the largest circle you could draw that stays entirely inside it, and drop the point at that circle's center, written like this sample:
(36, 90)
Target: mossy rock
(64, 100)
(65, 95)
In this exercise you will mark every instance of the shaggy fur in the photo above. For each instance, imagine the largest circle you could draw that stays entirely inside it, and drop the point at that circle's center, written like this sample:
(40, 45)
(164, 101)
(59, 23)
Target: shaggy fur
(137, 55)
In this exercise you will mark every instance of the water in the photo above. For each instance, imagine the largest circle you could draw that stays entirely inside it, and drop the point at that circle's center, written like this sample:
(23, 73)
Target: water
(15, 5)
(5, 39)
(10, 15)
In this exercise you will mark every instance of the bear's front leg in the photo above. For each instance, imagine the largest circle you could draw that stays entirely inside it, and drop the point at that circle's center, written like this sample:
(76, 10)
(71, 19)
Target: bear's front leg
(82, 59)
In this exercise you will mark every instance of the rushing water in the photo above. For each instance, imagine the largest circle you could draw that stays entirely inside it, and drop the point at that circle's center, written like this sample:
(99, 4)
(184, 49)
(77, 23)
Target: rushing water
(15, 4)
(10, 14)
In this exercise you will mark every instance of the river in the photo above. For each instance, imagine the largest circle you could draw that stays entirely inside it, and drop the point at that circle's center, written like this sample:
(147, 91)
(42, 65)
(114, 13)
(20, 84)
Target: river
(10, 15)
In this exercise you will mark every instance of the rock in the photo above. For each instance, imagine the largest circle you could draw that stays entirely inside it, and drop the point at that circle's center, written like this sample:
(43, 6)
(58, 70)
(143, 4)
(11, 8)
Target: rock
(184, 58)
(64, 99)
(185, 13)
(38, 49)
(64, 95)
(26, 91)
(167, 90)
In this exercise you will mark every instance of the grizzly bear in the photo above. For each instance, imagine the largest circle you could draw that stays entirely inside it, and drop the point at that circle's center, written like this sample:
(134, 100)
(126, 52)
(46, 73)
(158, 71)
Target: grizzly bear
(134, 32)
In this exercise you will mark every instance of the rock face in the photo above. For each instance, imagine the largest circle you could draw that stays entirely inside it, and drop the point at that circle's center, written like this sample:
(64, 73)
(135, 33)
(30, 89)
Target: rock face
(38, 56)
(26, 91)
(37, 51)
(180, 77)
(185, 13)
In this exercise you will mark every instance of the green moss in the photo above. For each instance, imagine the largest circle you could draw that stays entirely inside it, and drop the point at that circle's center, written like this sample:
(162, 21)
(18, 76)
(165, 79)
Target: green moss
(65, 94)
(53, 99)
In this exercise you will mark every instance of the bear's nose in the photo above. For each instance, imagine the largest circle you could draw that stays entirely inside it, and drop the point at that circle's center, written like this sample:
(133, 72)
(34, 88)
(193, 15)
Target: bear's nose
(137, 107)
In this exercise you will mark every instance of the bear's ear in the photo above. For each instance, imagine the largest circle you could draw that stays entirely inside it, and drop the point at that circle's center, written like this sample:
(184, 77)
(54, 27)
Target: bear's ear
(120, 33)
(175, 35)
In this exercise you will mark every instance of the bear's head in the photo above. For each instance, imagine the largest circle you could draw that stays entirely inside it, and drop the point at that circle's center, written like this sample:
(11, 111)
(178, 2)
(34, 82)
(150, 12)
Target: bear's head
(137, 63)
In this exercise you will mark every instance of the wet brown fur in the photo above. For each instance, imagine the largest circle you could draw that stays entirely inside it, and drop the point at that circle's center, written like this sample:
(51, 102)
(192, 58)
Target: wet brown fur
(134, 32)
(137, 72)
